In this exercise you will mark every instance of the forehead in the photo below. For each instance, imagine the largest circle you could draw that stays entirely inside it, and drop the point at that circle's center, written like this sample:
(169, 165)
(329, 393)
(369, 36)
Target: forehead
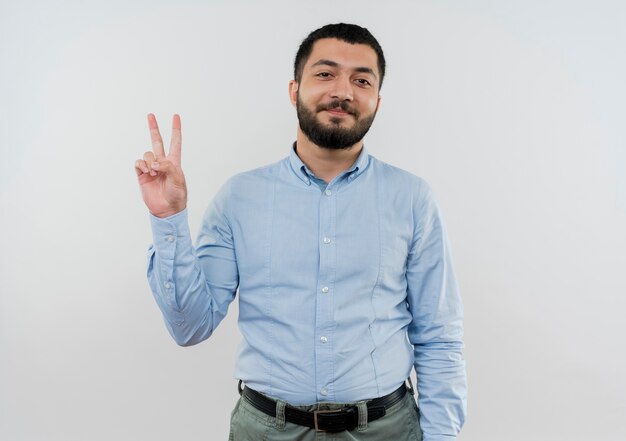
(345, 54)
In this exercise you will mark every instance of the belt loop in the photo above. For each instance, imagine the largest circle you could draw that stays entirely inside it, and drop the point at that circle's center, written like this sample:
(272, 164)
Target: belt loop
(239, 388)
(411, 390)
(280, 415)
(362, 409)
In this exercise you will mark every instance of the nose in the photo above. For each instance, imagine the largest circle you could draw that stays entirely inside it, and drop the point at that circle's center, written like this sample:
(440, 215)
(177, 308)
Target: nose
(342, 89)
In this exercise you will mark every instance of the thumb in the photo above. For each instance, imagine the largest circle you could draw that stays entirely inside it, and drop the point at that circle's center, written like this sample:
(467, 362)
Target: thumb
(166, 167)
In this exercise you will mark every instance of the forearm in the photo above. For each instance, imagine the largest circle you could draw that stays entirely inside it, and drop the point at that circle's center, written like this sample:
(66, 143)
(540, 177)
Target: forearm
(178, 283)
(437, 337)
(442, 389)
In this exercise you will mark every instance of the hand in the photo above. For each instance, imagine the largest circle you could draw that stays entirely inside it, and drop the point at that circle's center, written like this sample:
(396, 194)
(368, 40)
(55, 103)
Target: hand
(160, 177)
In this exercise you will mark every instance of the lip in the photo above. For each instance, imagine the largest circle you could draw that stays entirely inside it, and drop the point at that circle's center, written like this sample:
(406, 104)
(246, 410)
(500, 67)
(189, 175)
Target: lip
(337, 112)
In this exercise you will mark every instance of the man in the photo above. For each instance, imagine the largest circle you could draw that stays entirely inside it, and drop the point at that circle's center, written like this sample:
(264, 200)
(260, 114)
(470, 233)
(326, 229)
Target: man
(341, 262)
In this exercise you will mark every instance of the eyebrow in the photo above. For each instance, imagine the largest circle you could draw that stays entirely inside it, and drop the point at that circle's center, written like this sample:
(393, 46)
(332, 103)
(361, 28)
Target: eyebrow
(324, 62)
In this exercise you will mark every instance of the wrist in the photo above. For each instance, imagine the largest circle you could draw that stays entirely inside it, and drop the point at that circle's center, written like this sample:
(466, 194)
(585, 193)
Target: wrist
(168, 213)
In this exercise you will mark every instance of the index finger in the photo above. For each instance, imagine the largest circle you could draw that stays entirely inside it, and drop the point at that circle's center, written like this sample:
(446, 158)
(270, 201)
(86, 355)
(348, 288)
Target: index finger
(155, 135)
(176, 142)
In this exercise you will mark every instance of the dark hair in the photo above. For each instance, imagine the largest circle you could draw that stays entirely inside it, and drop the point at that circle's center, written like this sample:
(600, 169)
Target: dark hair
(350, 33)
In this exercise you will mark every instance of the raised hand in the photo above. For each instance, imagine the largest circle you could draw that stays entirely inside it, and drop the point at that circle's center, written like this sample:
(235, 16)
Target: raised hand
(160, 177)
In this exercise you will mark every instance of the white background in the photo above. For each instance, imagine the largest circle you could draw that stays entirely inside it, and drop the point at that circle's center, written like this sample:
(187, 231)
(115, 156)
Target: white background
(513, 111)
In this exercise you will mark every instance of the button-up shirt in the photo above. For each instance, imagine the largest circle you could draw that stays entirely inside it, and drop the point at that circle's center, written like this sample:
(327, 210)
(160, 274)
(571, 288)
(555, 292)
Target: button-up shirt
(343, 287)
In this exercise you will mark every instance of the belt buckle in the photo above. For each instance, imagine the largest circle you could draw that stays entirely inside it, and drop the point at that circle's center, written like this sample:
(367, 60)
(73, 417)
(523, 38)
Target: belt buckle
(315, 423)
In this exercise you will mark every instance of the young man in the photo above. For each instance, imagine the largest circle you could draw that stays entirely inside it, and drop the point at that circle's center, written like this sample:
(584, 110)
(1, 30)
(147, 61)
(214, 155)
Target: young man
(341, 261)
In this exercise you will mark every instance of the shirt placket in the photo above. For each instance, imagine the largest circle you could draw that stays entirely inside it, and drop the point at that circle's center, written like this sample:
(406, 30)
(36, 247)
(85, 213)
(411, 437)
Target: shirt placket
(324, 323)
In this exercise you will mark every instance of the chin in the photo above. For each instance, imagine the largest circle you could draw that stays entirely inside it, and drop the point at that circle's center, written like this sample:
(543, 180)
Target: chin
(333, 121)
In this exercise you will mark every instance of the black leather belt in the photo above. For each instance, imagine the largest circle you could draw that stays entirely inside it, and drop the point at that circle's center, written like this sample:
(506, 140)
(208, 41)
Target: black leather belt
(325, 420)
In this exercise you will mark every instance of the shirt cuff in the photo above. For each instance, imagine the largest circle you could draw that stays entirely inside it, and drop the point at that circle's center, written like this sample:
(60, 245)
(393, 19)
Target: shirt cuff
(167, 231)
(439, 438)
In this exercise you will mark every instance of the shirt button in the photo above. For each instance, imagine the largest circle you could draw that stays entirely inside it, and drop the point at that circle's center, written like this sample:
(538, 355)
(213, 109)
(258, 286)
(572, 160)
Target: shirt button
(324, 391)
(327, 192)
(168, 285)
(325, 289)
(326, 240)
(170, 238)
(323, 339)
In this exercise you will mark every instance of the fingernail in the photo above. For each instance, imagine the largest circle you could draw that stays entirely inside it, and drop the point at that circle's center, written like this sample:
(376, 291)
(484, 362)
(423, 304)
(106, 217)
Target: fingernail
(155, 165)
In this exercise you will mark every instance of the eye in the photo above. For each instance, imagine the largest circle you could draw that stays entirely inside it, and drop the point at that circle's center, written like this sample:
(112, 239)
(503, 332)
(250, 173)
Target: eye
(323, 75)
(363, 82)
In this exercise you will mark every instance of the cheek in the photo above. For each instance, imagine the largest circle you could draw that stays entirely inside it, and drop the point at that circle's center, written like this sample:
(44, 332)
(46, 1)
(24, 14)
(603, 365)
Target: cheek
(311, 92)
(310, 100)
(370, 103)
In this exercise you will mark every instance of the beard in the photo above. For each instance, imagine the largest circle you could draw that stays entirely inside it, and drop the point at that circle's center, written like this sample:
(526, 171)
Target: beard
(332, 136)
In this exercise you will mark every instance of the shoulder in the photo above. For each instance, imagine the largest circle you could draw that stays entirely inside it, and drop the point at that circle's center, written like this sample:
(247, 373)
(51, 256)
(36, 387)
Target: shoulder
(250, 185)
(400, 180)
(249, 179)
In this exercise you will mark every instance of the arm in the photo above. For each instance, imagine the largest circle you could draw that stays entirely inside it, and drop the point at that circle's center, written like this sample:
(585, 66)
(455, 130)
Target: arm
(436, 330)
(193, 288)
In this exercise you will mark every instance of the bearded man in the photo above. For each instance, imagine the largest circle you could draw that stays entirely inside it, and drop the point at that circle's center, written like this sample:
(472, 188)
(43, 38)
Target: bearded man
(341, 262)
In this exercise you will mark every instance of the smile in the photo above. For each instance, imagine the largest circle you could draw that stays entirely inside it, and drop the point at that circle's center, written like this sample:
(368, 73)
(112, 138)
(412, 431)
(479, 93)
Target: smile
(337, 112)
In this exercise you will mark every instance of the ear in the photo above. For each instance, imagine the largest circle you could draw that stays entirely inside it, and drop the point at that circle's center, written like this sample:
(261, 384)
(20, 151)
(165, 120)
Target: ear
(293, 92)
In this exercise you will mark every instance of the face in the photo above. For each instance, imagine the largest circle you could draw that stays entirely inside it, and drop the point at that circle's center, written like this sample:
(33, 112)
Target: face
(337, 96)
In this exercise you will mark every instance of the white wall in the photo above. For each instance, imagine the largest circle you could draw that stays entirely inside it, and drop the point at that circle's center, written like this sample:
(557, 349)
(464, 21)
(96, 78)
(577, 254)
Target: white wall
(513, 111)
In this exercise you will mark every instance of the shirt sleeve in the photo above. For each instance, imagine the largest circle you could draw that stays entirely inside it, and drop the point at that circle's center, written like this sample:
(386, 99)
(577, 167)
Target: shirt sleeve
(436, 329)
(193, 287)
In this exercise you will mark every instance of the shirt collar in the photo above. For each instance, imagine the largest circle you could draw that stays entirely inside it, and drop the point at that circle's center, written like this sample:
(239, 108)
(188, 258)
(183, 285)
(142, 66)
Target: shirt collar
(304, 174)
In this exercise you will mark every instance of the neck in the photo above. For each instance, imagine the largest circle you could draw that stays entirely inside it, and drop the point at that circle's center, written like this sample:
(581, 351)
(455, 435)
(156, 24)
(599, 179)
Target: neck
(326, 163)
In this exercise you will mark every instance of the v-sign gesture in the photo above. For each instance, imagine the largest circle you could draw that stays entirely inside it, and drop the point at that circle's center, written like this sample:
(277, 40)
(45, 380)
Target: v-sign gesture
(161, 177)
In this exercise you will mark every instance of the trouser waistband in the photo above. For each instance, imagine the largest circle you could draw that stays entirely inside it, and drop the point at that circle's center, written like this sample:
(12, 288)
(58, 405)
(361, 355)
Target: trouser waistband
(327, 420)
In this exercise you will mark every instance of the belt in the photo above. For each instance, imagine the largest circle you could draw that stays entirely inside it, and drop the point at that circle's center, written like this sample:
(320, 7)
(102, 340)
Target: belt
(325, 420)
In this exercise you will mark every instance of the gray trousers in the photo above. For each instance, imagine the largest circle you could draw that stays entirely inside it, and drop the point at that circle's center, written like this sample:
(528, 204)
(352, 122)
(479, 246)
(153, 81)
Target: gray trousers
(400, 423)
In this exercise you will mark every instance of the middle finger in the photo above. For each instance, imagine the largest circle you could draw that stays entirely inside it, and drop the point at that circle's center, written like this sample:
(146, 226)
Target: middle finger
(155, 135)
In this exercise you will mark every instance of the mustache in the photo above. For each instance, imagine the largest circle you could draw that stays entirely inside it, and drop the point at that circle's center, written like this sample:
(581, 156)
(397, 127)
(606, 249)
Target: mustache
(343, 105)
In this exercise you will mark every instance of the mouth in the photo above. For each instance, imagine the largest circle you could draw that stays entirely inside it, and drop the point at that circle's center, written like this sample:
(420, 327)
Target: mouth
(337, 111)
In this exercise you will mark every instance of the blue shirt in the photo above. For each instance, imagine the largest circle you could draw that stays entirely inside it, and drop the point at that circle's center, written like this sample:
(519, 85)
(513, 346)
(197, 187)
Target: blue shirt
(343, 287)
